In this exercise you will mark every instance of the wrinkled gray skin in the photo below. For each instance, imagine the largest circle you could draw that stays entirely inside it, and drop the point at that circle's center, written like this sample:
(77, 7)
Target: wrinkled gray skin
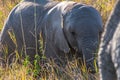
(65, 26)
(72, 25)
(22, 17)
(109, 52)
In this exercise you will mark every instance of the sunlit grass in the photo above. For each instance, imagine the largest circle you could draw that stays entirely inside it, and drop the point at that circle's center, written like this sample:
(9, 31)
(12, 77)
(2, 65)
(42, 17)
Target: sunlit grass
(47, 71)
(103, 6)
(41, 68)
(5, 7)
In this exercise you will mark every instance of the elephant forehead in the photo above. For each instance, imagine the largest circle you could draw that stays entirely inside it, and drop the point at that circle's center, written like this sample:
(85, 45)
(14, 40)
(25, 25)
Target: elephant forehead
(83, 24)
(85, 12)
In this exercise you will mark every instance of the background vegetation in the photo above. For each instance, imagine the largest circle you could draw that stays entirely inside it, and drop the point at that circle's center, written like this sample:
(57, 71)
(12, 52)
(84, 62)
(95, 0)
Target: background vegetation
(28, 71)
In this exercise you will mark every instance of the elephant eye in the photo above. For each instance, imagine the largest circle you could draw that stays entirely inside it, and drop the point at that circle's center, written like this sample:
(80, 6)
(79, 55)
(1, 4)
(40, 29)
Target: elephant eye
(73, 33)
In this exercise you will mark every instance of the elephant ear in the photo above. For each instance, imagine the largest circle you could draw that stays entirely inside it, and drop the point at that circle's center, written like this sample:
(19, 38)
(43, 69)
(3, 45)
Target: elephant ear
(54, 28)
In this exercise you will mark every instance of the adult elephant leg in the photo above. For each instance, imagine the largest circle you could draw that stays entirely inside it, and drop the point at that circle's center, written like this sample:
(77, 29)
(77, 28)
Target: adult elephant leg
(115, 51)
(116, 61)
(106, 67)
(107, 72)
(6, 43)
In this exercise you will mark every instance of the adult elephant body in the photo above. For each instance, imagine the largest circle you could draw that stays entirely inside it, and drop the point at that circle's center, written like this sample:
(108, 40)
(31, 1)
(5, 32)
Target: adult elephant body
(109, 52)
(64, 26)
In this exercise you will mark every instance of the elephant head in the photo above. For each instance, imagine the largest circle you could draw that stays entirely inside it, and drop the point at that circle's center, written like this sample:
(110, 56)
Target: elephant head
(82, 28)
(72, 25)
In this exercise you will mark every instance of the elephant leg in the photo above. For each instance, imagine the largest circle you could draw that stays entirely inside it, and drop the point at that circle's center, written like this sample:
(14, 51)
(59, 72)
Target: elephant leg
(118, 73)
(116, 60)
(107, 70)
(7, 46)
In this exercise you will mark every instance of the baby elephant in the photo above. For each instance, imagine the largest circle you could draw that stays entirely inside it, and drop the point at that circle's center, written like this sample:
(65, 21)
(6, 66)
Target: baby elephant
(71, 26)
(64, 26)
(109, 52)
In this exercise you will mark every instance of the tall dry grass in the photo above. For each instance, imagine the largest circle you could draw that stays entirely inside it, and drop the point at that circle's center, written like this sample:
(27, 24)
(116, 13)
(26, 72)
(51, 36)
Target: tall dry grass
(104, 7)
(49, 71)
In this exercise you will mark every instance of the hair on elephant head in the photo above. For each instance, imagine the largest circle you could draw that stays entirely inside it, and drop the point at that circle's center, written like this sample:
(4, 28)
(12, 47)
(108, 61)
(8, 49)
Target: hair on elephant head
(72, 25)
(42, 2)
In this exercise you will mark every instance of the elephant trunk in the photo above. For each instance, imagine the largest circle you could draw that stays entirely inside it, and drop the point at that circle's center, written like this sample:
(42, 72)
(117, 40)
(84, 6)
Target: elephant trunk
(88, 57)
(89, 48)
